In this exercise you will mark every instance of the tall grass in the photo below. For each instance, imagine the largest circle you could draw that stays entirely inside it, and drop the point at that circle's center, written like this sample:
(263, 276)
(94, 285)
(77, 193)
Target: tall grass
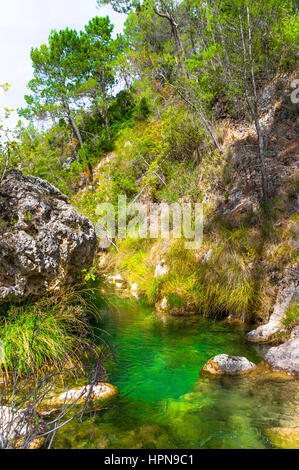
(53, 332)
(228, 283)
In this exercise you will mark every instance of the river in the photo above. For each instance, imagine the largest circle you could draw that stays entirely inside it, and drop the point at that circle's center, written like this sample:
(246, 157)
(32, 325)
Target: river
(164, 403)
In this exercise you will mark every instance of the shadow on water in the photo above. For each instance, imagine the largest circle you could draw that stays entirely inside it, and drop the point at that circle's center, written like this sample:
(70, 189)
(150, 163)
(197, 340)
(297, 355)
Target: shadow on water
(165, 403)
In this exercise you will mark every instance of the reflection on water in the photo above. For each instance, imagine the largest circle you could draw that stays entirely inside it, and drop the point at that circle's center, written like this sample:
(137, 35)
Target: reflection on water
(166, 404)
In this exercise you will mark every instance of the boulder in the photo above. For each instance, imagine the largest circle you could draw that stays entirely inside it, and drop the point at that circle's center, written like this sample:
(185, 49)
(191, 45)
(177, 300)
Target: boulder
(228, 365)
(207, 257)
(264, 332)
(162, 306)
(101, 392)
(44, 241)
(284, 357)
(134, 290)
(16, 428)
(117, 280)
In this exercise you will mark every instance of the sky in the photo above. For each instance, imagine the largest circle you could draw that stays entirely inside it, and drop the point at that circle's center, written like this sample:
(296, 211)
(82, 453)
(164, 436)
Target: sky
(27, 23)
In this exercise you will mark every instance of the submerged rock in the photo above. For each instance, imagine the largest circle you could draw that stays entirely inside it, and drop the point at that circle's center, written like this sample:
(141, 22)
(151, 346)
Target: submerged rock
(100, 392)
(44, 241)
(186, 311)
(284, 438)
(284, 357)
(17, 430)
(228, 365)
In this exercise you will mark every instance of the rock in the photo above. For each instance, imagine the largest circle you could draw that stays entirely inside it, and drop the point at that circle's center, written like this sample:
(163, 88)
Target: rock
(285, 298)
(238, 204)
(134, 291)
(44, 241)
(284, 357)
(295, 332)
(104, 241)
(162, 306)
(16, 426)
(207, 257)
(228, 365)
(161, 269)
(187, 310)
(284, 438)
(68, 163)
(117, 280)
(101, 392)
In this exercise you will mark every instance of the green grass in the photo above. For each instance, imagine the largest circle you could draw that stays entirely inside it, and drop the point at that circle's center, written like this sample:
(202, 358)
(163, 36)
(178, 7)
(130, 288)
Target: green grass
(53, 332)
(226, 284)
(292, 315)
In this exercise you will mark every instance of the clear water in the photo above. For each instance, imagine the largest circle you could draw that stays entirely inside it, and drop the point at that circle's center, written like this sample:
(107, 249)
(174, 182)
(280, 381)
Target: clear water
(164, 403)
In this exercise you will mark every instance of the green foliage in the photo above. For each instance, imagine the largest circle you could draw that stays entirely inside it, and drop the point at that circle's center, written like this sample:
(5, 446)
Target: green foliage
(292, 315)
(54, 332)
(153, 293)
(178, 61)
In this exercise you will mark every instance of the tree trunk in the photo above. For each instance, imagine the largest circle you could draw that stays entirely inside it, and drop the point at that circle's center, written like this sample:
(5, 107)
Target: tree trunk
(72, 123)
(76, 130)
(254, 109)
(175, 32)
(103, 86)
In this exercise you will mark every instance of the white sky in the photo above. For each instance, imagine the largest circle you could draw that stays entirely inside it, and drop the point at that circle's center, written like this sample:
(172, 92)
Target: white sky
(27, 23)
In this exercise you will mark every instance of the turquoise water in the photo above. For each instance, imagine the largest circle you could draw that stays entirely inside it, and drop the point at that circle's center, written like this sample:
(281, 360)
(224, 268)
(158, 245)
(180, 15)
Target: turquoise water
(165, 403)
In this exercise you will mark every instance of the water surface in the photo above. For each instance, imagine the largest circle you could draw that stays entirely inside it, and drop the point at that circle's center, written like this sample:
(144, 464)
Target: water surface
(164, 403)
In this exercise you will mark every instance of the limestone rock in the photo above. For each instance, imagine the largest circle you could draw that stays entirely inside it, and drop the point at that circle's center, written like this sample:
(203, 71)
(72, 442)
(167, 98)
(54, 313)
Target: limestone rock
(117, 280)
(228, 365)
(189, 309)
(134, 290)
(100, 392)
(284, 357)
(162, 306)
(16, 427)
(264, 332)
(44, 241)
(295, 332)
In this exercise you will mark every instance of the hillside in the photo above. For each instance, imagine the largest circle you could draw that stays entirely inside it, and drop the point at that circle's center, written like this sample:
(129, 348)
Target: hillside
(149, 232)
(253, 256)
